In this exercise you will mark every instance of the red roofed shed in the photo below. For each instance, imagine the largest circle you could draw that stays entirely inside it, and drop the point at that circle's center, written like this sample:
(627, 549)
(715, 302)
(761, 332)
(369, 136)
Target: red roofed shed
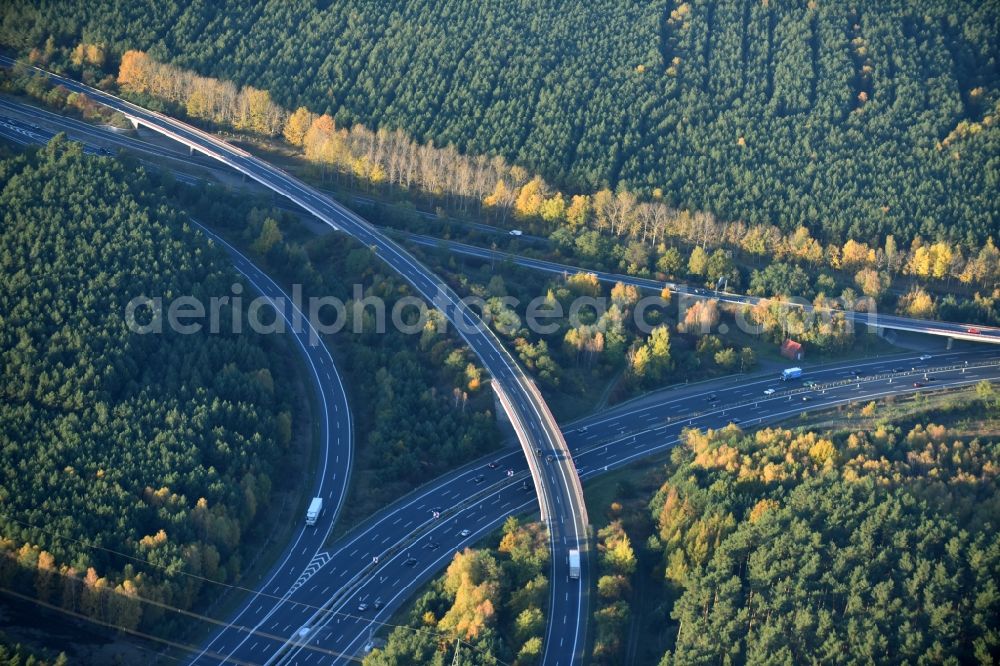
(791, 349)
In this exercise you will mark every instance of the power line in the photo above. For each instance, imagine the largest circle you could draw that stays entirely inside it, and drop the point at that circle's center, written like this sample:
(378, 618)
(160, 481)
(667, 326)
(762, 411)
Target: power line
(87, 544)
(204, 618)
(93, 620)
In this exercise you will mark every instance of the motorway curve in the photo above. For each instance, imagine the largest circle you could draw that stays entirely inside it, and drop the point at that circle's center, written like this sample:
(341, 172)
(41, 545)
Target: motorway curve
(412, 546)
(333, 418)
(956, 330)
(560, 494)
(305, 551)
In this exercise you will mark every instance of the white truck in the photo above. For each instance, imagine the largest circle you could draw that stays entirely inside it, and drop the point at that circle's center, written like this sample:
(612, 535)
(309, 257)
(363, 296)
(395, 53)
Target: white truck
(574, 563)
(791, 373)
(312, 513)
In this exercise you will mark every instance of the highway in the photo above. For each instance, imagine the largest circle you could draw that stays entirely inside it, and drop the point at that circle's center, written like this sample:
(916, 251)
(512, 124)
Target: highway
(412, 546)
(961, 331)
(406, 530)
(560, 495)
(958, 331)
(305, 551)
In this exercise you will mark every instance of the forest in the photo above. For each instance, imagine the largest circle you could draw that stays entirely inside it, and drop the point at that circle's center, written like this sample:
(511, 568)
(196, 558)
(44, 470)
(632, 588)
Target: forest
(861, 120)
(603, 229)
(421, 404)
(129, 463)
(798, 546)
(18, 654)
(487, 609)
(211, 411)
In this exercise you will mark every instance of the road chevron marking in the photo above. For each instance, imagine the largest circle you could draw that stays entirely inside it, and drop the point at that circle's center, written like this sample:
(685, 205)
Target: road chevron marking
(318, 561)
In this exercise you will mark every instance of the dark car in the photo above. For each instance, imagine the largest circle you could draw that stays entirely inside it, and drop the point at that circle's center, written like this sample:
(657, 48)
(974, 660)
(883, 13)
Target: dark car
(479, 479)
(494, 465)
(917, 385)
(712, 397)
(410, 562)
(377, 604)
(899, 369)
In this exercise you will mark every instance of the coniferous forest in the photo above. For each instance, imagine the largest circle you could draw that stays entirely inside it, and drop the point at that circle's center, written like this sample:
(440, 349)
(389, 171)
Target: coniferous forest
(128, 462)
(843, 154)
(858, 120)
(870, 546)
(780, 546)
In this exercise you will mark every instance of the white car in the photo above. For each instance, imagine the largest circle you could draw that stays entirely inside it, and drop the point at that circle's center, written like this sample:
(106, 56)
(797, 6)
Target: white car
(465, 533)
(925, 357)
(768, 391)
(516, 232)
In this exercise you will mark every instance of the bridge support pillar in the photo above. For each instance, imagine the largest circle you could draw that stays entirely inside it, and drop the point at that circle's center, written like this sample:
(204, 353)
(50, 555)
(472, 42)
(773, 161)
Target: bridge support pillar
(951, 341)
(135, 123)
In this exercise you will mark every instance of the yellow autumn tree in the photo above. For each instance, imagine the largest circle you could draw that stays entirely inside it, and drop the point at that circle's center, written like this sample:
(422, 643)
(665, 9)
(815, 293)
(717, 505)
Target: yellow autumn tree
(802, 245)
(553, 209)
(297, 125)
(941, 256)
(322, 142)
(500, 195)
(578, 211)
(854, 255)
(530, 198)
(584, 283)
(872, 282)
(257, 113)
(134, 72)
(472, 577)
(45, 575)
(917, 303)
(90, 54)
(920, 262)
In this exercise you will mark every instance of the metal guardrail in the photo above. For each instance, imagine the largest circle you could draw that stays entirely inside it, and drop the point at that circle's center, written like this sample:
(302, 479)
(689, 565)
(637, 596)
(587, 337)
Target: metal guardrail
(413, 537)
(913, 371)
(410, 540)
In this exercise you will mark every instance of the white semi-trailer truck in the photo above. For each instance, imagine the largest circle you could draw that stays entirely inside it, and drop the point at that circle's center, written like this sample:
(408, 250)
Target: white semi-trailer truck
(312, 513)
(574, 563)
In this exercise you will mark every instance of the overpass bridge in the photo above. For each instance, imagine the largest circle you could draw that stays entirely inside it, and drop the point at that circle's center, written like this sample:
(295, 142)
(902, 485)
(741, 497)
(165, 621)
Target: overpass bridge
(557, 484)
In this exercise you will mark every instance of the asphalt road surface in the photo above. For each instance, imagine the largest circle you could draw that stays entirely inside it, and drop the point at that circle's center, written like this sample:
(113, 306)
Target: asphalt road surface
(305, 551)
(560, 494)
(412, 546)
